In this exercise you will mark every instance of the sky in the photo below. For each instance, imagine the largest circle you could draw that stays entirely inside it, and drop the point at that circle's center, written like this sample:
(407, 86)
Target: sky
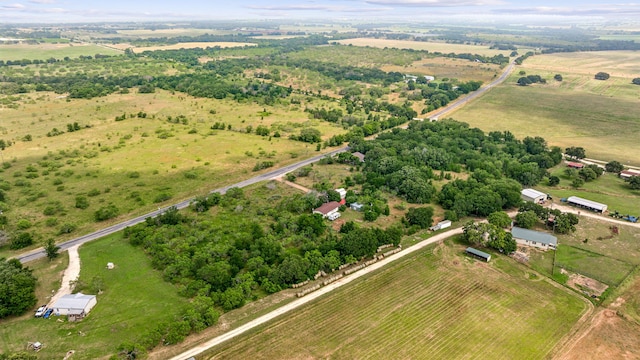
(53, 11)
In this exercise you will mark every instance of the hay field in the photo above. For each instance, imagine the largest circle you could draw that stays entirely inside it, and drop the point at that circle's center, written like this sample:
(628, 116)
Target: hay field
(421, 45)
(437, 304)
(185, 45)
(440, 67)
(623, 64)
(46, 51)
(149, 33)
(130, 163)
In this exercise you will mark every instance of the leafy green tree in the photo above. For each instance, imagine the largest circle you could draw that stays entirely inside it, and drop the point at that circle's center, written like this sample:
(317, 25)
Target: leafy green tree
(557, 77)
(601, 76)
(21, 240)
(106, 212)
(636, 81)
(527, 219)
(614, 167)
(51, 249)
(422, 216)
(565, 223)
(17, 288)
(577, 182)
(587, 174)
(500, 219)
(524, 81)
(576, 152)
(502, 241)
(634, 182)
(554, 180)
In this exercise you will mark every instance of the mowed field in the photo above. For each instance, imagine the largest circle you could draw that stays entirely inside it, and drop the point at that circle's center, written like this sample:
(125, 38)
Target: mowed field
(437, 304)
(46, 51)
(579, 111)
(441, 68)
(444, 48)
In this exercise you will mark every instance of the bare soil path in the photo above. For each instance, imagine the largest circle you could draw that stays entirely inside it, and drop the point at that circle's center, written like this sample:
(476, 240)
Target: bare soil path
(71, 273)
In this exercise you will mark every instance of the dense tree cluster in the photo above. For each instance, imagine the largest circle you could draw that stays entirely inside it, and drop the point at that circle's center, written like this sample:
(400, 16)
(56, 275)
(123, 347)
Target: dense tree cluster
(406, 162)
(17, 288)
(489, 235)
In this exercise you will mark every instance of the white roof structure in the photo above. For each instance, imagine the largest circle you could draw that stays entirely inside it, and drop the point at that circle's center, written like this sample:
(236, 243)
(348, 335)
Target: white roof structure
(77, 301)
(587, 203)
(532, 193)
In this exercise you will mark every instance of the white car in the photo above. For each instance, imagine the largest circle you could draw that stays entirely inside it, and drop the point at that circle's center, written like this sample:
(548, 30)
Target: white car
(41, 310)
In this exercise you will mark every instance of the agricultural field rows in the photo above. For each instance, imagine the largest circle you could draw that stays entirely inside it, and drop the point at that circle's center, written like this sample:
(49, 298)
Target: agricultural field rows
(437, 304)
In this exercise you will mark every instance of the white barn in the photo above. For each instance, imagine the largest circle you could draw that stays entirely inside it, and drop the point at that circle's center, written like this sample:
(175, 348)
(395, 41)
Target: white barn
(533, 196)
(587, 204)
(77, 305)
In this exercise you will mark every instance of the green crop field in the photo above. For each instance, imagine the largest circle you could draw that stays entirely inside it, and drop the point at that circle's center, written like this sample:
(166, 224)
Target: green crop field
(46, 51)
(441, 47)
(130, 162)
(437, 304)
(134, 296)
(604, 125)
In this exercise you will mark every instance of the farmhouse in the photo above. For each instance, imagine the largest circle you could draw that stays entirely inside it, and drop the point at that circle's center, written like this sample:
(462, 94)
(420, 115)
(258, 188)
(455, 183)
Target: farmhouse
(629, 173)
(441, 225)
(75, 306)
(534, 238)
(359, 155)
(478, 254)
(533, 196)
(587, 204)
(575, 165)
(326, 210)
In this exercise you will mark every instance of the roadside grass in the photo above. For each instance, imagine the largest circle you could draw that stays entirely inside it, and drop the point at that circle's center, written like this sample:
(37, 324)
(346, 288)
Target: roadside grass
(423, 304)
(127, 163)
(596, 266)
(603, 125)
(46, 51)
(134, 296)
(432, 47)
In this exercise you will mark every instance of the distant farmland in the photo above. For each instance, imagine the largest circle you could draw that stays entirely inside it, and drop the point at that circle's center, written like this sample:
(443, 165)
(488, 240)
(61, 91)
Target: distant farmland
(423, 45)
(46, 51)
(437, 304)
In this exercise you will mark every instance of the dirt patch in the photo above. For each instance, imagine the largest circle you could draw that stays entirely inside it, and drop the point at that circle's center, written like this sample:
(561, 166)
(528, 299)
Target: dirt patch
(586, 285)
(71, 273)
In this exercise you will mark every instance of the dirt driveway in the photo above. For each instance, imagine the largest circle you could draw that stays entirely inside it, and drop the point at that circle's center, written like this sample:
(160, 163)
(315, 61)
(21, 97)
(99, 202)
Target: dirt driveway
(71, 273)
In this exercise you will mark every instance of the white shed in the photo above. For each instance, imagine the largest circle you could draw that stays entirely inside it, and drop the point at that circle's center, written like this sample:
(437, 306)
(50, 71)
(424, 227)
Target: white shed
(74, 304)
(441, 225)
(533, 196)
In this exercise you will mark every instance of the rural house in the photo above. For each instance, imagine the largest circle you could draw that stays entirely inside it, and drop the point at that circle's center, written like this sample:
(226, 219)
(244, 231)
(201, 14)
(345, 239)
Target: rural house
(328, 210)
(75, 306)
(533, 196)
(534, 238)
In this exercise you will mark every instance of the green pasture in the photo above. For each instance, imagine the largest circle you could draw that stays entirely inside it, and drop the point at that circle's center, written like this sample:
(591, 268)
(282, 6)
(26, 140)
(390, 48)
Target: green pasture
(604, 125)
(47, 51)
(596, 266)
(432, 47)
(134, 297)
(437, 302)
(136, 162)
(358, 56)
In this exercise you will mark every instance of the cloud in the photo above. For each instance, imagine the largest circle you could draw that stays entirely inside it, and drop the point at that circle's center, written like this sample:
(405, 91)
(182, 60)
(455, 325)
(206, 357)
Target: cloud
(595, 10)
(434, 3)
(42, 1)
(323, 8)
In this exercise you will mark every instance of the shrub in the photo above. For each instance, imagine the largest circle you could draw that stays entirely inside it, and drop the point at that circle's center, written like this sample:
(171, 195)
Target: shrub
(161, 197)
(23, 224)
(22, 240)
(82, 202)
(106, 212)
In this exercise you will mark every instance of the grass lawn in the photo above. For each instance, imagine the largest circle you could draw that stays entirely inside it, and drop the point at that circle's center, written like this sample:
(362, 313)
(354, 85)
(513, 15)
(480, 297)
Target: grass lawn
(596, 266)
(134, 296)
(46, 51)
(436, 302)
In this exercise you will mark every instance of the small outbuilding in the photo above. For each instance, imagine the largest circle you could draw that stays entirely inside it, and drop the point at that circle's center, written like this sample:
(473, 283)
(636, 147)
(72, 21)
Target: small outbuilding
(327, 209)
(76, 306)
(534, 238)
(356, 206)
(342, 192)
(532, 195)
(359, 155)
(575, 165)
(441, 225)
(478, 254)
(587, 204)
(629, 173)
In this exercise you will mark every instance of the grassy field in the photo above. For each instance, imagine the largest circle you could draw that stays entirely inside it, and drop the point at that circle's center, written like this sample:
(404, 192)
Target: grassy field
(46, 51)
(422, 45)
(593, 265)
(440, 67)
(437, 304)
(133, 297)
(185, 45)
(604, 125)
(128, 163)
(619, 64)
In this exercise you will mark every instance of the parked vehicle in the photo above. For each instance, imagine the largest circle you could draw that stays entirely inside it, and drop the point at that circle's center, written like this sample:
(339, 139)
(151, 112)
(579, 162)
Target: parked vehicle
(41, 310)
(47, 313)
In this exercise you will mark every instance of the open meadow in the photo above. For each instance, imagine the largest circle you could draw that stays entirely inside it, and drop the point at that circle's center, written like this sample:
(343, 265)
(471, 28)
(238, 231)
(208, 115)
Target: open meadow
(437, 304)
(138, 163)
(182, 45)
(48, 50)
(604, 125)
(133, 297)
(432, 47)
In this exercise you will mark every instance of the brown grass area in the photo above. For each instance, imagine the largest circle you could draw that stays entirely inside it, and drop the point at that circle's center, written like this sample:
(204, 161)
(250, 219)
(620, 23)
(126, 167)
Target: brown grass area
(423, 45)
(461, 69)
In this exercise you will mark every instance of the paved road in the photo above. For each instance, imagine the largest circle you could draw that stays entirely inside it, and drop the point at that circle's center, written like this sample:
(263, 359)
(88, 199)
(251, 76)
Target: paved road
(474, 95)
(312, 296)
(40, 253)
